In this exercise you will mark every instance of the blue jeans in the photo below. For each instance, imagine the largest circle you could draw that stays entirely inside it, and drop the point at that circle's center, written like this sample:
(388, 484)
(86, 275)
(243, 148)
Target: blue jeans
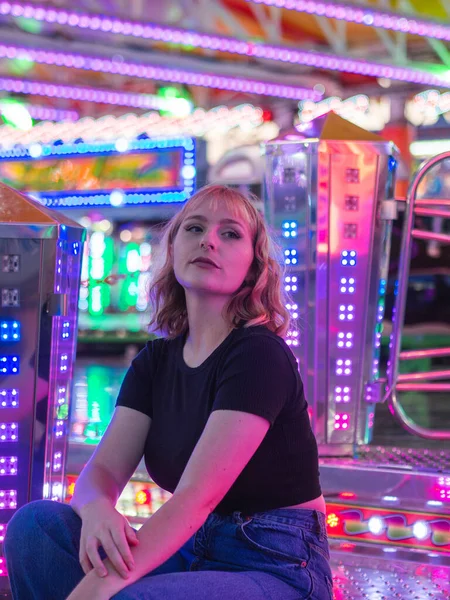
(276, 555)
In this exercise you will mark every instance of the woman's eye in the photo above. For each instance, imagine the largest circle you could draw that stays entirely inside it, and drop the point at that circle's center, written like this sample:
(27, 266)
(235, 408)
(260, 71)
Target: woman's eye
(233, 234)
(229, 234)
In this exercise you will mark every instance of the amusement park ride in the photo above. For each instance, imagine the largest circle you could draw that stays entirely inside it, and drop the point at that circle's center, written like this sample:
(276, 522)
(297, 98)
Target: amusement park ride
(329, 199)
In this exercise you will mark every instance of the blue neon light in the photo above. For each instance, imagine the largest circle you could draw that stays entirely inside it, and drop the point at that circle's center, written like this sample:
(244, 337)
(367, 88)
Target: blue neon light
(9, 364)
(131, 198)
(93, 148)
(289, 228)
(9, 331)
(290, 257)
(82, 198)
(348, 258)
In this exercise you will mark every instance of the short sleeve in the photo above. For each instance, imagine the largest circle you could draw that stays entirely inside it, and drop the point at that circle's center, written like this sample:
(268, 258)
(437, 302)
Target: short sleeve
(257, 377)
(136, 389)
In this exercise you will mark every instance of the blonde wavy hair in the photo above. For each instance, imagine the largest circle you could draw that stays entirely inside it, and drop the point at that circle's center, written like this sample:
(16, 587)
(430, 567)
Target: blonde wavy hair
(260, 300)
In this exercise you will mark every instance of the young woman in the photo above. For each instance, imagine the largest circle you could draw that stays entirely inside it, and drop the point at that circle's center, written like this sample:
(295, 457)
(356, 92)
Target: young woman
(218, 411)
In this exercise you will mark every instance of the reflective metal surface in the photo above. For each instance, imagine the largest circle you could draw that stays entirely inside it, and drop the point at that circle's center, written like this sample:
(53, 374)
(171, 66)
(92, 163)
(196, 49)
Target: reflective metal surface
(324, 199)
(40, 262)
(358, 577)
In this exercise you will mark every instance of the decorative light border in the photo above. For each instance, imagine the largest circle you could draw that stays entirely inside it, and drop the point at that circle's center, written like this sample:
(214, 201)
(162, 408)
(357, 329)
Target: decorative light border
(104, 147)
(88, 199)
(220, 43)
(369, 113)
(47, 113)
(433, 99)
(362, 15)
(80, 198)
(146, 71)
(369, 16)
(131, 126)
(426, 108)
(50, 89)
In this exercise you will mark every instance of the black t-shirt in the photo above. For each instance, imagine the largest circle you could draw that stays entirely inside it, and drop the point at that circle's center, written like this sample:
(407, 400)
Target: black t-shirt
(253, 370)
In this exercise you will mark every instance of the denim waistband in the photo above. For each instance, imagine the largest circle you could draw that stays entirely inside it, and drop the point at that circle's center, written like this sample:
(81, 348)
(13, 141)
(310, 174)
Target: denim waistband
(304, 518)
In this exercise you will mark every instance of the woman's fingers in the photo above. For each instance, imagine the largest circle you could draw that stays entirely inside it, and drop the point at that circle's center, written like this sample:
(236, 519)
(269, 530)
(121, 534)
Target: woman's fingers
(92, 545)
(114, 555)
(131, 534)
(121, 542)
(85, 563)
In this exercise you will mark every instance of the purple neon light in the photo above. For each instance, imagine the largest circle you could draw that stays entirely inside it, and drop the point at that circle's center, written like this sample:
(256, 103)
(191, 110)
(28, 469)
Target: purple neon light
(55, 90)
(44, 113)
(365, 16)
(214, 42)
(145, 71)
(41, 113)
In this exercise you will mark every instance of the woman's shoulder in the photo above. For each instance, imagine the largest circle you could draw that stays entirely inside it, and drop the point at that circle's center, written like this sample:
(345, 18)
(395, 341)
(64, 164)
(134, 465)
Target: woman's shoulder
(260, 334)
(261, 340)
(156, 349)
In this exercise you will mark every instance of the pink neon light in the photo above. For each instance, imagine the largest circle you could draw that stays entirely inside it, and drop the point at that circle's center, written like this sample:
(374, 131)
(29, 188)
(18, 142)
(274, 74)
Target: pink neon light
(49, 89)
(235, 46)
(341, 421)
(365, 16)
(145, 71)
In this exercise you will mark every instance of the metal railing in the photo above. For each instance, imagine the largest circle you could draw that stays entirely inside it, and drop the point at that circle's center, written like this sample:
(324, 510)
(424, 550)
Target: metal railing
(413, 381)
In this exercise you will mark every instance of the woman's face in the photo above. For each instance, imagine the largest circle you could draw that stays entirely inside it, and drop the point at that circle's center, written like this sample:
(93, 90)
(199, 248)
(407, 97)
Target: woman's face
(219, 235)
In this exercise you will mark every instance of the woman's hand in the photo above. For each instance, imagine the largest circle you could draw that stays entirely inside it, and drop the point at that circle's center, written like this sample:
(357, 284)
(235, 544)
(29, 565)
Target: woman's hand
(103, 525)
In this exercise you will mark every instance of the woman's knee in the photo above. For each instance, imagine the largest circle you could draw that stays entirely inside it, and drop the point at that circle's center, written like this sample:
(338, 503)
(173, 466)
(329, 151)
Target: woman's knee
(32, 518)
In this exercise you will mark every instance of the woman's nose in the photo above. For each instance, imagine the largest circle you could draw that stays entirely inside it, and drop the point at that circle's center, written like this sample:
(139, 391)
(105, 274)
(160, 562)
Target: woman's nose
(208, 240)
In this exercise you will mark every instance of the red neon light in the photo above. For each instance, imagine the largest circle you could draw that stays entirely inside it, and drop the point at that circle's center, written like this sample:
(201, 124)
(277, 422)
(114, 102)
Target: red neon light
(143, 497)
(347, 495)
(351, 523)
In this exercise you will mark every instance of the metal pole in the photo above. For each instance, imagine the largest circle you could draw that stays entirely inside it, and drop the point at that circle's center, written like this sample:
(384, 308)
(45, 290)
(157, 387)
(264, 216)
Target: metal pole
(399, 309)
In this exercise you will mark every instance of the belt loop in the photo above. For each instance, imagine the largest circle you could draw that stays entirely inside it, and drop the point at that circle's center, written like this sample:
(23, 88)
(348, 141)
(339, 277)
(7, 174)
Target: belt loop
(238, 517)
(321, 525)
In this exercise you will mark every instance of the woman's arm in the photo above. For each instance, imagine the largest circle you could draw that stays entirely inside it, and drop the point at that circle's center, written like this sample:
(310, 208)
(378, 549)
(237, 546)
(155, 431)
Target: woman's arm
(107, 471)
(228, 442)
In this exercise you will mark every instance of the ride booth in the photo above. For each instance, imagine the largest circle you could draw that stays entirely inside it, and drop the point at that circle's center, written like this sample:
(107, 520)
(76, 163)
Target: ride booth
(328, 198)
(40, 254)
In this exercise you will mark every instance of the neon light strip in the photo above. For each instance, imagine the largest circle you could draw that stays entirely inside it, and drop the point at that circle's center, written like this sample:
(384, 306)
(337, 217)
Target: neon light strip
(146, 71)
(216, 121)
(129, 199)
(45, 113)
(83, 198)
(46, 150)
(222, 44)
(365, 16)
(98, 95)
(432, 100)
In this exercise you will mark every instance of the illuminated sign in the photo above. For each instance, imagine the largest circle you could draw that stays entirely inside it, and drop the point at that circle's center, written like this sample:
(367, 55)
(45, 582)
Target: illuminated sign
(389, 526)
(122, 172)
